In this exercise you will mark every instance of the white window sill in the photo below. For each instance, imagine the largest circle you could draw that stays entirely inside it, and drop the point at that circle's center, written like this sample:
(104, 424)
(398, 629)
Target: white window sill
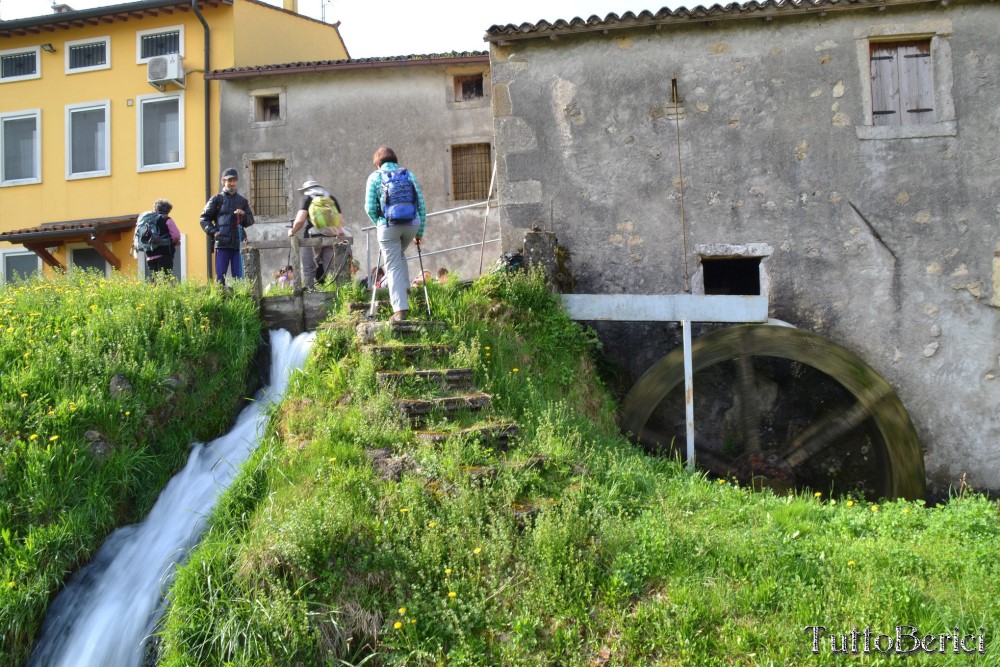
(943, 129)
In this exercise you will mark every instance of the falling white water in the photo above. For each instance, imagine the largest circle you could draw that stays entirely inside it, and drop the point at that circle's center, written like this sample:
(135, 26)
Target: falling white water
(105, 614)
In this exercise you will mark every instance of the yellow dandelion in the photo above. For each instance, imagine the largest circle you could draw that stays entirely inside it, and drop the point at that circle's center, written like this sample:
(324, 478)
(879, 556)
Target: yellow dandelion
(452, 594)
(24, 394)
(722, 481)
(432, 524)
(515, 370)
(477, 551)
(413, 620)
(34, 436)
(487, 348)
(404, 510)
(53, 438)
(850, 503)
(447, 571)
(906, 510)
(874, 508)
(11, 584)
(128, 412)
(402, 611)
(398, 625)
(187, 319)
(332, 459)
(818, 494)
(851, 563)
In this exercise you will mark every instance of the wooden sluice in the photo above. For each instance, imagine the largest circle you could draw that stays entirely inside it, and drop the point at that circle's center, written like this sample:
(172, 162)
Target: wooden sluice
(302, 310)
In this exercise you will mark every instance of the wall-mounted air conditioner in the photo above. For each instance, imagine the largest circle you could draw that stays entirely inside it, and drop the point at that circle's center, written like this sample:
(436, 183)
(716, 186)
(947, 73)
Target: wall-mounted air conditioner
(161, 70)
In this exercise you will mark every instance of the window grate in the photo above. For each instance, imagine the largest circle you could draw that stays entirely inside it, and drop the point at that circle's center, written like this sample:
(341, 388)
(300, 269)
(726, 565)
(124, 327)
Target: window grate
(88, 55)
(18, 64)
(161, 44)
(470, 171)
(267, 194)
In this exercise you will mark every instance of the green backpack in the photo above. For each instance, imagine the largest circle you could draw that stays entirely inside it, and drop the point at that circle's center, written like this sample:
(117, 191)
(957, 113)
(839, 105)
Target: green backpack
(323, 213)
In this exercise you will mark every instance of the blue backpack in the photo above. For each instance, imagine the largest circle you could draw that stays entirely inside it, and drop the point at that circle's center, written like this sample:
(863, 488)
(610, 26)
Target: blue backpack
(399, 197)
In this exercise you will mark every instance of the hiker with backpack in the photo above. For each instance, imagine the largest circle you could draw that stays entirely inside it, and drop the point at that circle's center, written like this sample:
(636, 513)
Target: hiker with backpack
(156, 236)
(224, 219)
(395, 205)
(319, 212)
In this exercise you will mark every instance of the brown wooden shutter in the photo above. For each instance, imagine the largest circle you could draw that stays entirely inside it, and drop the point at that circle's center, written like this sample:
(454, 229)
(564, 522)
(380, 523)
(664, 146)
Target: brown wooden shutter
(885, 85)
(916, 87)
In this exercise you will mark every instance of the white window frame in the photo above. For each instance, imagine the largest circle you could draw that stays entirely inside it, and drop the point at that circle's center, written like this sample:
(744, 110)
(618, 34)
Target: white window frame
(140, 100)
(88, 106)
(37, 50)
(82, 42)
(139, 60)
(37, 178)
(939, 32)
(70, 247)
(15, 252)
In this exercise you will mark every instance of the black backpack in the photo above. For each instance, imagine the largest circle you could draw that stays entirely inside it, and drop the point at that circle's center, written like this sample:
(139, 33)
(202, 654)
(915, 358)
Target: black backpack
(151, 233)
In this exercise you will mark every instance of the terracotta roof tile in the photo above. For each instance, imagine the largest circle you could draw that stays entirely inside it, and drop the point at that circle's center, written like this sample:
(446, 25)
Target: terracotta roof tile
(352, 63)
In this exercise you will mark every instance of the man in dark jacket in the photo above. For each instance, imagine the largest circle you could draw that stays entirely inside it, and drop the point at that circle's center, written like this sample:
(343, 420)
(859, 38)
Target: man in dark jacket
(223, 219)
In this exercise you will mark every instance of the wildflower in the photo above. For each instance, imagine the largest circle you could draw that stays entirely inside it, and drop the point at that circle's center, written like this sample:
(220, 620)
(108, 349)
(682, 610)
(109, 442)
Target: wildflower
(850, 503)
(447, 571)
(515, 370)
(477, 551)
(452, 594)
(397, 625)
(402, 611)
(53, 438)
(722, 481)
(432, 524)
(487, 348)
(404, 510)
(818, 494)
(11, 584)
(128, 412)
(413, 620)
(851, 563)
(34, 436)
(874, 508)
(187, 319)
(906, 510)
(333, 459)
(24, 394)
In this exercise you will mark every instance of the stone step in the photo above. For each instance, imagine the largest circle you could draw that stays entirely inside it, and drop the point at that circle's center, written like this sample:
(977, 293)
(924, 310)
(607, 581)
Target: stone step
(495, 435)
(397, 328)
(407, 352)
(417, 408)
(449, 378)
(362, 306)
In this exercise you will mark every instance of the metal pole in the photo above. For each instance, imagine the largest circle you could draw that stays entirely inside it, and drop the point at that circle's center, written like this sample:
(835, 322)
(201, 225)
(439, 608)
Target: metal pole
(688, 391)
(486, 217)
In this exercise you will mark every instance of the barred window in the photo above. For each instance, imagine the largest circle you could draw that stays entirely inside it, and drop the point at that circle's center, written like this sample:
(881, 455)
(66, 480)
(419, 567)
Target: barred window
(470, 171)
(469, 87)
(92, 54)
(160, 44)
(267, 191)
(15, 65)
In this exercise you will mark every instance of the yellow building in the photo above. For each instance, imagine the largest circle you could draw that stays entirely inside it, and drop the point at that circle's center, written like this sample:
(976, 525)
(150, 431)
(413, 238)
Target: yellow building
(104, 111)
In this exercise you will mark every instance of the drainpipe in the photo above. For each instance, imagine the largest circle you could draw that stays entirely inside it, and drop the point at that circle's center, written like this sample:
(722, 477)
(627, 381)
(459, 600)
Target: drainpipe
(208, 130)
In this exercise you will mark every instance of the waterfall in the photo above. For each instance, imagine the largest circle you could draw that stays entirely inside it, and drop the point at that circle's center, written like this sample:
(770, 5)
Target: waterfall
(105, 614)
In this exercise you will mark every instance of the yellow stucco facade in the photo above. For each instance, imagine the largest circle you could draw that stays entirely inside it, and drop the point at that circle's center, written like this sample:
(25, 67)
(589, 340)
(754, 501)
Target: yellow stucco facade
(85, 138)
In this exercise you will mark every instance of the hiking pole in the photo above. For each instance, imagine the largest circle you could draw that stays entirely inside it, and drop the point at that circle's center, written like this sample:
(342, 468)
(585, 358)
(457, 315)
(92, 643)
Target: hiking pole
(423, 280)
(373, 278)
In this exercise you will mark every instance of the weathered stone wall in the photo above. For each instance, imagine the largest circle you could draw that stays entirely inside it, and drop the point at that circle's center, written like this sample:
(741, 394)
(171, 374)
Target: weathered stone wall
(332, 123)
(882, 240)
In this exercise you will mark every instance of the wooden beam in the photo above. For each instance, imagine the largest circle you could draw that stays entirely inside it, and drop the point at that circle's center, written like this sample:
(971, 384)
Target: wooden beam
(44, 255)
(97, 243)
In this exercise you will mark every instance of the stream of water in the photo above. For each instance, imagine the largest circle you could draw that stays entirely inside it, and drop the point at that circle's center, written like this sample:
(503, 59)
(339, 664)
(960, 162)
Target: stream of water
(105, 614)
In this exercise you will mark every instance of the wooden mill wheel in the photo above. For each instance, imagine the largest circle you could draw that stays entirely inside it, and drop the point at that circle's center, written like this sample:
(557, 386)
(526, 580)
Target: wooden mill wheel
(781, 407)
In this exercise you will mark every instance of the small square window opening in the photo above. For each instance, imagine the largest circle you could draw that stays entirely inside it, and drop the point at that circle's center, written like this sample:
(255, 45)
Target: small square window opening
(267, 107)
(469, 87)
(731, 275)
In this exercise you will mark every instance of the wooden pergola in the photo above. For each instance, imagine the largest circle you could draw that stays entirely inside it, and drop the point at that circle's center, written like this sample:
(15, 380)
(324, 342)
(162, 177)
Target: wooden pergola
(95, 232)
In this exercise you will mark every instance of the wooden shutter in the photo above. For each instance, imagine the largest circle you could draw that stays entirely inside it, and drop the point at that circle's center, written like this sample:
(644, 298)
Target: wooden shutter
(885, 85)
(902, 83)
(915, 83)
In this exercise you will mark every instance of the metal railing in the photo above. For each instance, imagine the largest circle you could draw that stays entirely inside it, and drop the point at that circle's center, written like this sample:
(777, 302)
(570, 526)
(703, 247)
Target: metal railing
(368, 236)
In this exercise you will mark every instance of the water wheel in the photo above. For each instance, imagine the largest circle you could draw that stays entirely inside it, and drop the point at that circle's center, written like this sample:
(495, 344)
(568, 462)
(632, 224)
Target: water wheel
(783, 408)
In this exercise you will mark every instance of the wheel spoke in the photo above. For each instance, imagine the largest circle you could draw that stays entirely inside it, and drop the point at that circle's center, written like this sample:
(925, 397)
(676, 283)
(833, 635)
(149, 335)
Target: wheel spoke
(749, 407)
(825, 432)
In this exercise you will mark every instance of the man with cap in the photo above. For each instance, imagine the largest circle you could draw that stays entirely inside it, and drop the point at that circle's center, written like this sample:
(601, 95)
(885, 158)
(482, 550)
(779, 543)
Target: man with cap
(223, 219)
(315, 259)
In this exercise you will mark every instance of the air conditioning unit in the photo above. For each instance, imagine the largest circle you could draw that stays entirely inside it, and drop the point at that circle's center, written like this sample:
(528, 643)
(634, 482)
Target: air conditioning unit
(161, 70)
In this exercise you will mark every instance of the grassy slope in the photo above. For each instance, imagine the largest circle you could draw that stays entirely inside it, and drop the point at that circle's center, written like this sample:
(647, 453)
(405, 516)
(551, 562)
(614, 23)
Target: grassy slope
(313, 559)
(61, 342)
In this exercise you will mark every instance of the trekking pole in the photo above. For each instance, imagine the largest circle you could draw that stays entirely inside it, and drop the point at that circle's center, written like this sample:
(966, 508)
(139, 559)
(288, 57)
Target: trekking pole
(423, 279)
(373, 278)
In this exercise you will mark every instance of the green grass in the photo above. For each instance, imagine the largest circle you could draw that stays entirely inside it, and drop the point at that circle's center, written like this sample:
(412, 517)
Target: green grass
(575, 547)
(78, 460)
